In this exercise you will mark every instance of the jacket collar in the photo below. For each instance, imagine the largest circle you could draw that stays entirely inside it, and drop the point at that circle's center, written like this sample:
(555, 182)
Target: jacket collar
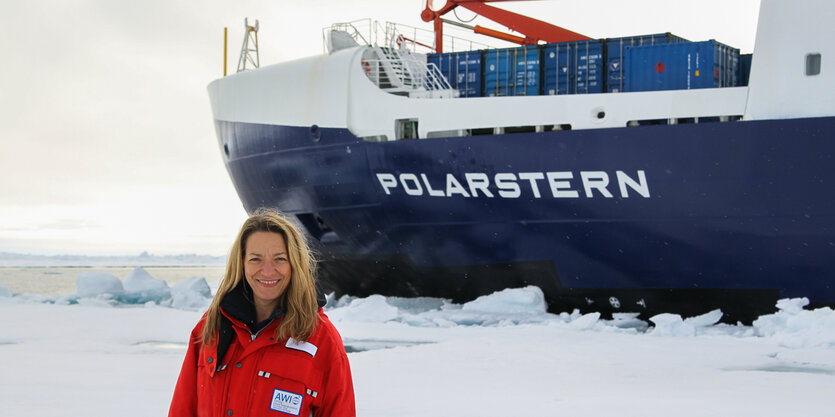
(237, 304)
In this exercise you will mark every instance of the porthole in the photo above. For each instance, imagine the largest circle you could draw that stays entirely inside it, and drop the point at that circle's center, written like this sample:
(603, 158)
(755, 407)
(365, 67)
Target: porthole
(315, 133)
(598, 114)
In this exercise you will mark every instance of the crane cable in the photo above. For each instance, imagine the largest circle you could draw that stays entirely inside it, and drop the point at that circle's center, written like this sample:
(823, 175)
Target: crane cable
(455, 12)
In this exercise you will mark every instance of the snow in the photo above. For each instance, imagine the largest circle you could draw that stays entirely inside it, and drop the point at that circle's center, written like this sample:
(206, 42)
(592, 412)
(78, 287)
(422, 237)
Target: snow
(510, 301)
(141, 287)
(9, 259)
(673, 325)
(138, 287)
(98, 284)
(794, 327)
(193, 293)
(96, 353)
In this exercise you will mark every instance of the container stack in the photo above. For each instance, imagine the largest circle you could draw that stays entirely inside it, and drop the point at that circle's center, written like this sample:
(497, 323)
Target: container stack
(572, 67)
(617, 51)
(511, 71)
(634, 63)
(462, 70)
(681, 66)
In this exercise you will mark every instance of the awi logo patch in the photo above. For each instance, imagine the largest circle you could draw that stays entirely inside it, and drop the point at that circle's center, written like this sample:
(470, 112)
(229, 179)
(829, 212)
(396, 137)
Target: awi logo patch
(286, 402)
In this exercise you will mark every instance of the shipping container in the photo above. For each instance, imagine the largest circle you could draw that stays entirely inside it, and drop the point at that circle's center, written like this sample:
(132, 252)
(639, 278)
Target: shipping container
(572, 67)
(616, 48)
(462, 69)
(511, 71)
(680, 66)
(744, 70)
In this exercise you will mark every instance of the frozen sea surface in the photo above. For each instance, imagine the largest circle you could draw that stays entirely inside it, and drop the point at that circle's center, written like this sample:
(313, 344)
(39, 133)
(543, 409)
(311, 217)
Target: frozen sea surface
(500, 355)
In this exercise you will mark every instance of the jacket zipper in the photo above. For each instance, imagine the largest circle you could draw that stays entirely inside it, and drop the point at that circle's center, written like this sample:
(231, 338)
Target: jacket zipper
(228, 380)
(255, 335)
(259, 356)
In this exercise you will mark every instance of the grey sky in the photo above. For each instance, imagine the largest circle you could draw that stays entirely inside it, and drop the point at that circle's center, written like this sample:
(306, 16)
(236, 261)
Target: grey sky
(108, 141)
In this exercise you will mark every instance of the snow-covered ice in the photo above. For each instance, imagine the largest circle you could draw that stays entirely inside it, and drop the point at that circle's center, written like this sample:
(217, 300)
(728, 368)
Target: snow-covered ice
(193, 293)
(98, 353)
(795, 327)
(140, 286)
(97, 283)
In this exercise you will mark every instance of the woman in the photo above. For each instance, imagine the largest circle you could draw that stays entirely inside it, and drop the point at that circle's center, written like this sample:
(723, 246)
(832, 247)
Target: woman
(265, 347)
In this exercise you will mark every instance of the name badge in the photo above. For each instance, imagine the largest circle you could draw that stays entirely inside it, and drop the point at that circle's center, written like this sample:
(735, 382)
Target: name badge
(286, 402)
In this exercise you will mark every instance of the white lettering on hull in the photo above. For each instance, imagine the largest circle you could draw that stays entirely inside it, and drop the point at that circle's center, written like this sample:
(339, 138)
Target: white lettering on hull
(562, 184)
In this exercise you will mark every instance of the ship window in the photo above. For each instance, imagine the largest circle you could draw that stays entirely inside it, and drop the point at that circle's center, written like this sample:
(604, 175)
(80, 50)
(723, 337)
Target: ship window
(406, 128)
(813, 64)
(519, 129)
(375, 138)
(650, 122)
(447, 133)
(683, 120)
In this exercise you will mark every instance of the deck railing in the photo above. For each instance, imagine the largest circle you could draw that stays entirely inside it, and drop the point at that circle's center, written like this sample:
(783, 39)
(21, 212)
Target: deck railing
(400, 36)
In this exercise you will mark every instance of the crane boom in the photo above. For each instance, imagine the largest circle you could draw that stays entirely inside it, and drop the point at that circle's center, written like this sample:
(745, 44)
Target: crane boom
(533, 29)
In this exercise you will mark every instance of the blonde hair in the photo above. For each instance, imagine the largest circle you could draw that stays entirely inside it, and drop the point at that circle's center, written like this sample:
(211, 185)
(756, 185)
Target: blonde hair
(299, 299)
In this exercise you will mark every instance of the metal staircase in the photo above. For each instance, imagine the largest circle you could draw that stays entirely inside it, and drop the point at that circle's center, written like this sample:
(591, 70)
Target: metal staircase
(393, 67)
(401, 72)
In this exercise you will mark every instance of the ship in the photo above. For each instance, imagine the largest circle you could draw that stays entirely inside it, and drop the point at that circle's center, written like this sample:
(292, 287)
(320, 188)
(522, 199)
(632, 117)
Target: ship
(638, 198)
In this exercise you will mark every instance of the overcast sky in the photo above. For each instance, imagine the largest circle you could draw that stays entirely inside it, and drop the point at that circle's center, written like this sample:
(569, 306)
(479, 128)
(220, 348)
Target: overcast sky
(108, 145)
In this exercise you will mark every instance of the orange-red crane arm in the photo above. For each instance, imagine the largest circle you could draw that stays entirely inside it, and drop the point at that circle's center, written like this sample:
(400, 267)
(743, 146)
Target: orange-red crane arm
(533, 29)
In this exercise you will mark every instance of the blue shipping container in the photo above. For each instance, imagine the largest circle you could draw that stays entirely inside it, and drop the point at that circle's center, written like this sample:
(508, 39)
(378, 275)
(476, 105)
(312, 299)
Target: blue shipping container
(461, 69)
(572, 67)
(511, 71)
(616, 48)
(744, 70)
(681, 66)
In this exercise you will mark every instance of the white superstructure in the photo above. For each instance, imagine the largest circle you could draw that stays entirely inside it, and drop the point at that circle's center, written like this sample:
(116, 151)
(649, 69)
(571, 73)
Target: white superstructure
(789, 79)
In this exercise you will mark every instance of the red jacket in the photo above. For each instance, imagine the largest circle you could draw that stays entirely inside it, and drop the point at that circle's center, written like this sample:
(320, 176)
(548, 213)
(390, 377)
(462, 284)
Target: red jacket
(260, 376)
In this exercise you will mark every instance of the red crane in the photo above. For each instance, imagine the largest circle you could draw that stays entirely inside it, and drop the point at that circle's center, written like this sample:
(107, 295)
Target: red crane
(533, 29)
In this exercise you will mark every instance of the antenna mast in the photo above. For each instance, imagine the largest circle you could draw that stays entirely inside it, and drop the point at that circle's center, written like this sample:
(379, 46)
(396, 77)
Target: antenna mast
(249, 50)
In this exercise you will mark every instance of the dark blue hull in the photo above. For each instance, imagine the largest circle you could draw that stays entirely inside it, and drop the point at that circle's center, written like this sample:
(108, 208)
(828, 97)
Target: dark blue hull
(645, 219)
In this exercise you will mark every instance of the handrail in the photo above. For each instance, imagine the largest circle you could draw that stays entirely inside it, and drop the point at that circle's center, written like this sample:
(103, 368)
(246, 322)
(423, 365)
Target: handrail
(353, 28)
(412, 38)
(392, 77)
(400, 36)
(437, 78)
(397, 68)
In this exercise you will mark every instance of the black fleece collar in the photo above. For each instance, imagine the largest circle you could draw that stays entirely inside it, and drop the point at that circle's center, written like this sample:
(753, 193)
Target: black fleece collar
(237, 304)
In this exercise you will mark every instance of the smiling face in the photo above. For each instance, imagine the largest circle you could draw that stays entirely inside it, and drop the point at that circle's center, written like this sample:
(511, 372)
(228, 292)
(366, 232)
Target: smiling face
(267, 270)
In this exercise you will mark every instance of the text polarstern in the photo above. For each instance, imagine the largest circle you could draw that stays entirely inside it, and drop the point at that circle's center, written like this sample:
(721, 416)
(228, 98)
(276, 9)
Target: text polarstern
(561, 184)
